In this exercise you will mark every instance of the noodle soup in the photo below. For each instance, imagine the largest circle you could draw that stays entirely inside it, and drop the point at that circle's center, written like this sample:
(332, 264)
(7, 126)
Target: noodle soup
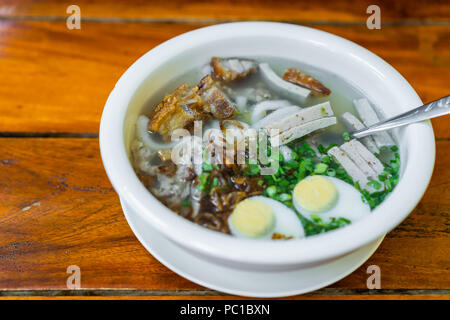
(259, 148)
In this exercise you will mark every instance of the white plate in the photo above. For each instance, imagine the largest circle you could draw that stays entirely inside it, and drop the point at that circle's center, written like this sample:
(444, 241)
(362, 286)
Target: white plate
(240, 282)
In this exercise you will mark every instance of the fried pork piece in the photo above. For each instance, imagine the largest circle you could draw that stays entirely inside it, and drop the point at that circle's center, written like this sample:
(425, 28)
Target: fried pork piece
(287, 89)
(214, 100)
(228, 69)
(177, 110)
(185, 105)
(304, 80)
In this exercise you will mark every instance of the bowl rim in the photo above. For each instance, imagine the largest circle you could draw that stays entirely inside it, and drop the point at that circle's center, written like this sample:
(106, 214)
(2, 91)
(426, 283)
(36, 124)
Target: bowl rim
(335, 243)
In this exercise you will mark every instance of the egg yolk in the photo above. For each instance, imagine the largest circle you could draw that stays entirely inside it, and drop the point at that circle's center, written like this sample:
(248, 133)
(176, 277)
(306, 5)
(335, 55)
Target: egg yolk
(253, 218)
(315, 194)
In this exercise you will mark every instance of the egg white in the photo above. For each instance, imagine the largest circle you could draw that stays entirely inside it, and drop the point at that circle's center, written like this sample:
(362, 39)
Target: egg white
(287, 222)
(349, 204)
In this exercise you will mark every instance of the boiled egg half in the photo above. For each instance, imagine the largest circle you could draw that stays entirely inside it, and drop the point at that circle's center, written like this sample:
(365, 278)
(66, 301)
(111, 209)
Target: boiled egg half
(328, 197)
(264, 218)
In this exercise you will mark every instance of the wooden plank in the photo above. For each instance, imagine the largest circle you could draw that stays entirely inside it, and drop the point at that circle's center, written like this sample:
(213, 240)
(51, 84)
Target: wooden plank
(57, 209)
(53, 79)
(194, 297)
(281, 10)
(56, 80)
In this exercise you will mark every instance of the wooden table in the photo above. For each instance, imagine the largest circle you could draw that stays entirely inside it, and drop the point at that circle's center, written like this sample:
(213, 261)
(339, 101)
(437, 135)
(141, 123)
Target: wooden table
(57, 207)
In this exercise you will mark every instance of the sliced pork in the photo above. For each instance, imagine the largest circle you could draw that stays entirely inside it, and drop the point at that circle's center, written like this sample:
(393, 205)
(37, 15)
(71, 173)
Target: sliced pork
(368, 156)
(302, 116)
(352, 123)
(370, 117)
(356, 157)
(290, 123)
(299, 131)
(353, 154)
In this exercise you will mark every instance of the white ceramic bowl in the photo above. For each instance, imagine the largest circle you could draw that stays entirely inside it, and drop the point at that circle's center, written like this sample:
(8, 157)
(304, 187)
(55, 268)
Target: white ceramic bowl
(382, 85)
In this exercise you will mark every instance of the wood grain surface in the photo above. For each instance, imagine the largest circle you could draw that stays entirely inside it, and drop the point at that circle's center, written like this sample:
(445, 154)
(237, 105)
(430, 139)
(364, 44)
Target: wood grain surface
(57, 80)
(214, 10)
(57, 207)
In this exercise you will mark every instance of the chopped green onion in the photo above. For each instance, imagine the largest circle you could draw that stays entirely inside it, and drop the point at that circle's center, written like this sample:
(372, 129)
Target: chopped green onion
(388, 185)
(203, 181)
(326, 159)
(395, 166)
(320, 168)
(316, 225)
(346, 136)
(284, 183)
(206, 166)
(375, 184)
(186, 203)
(285, 197)
(215, 182)
(271, 191)
(254, 169)
(321, 149)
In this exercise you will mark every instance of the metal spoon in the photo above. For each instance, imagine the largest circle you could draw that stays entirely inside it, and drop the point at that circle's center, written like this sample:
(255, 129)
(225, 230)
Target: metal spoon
(430, 110)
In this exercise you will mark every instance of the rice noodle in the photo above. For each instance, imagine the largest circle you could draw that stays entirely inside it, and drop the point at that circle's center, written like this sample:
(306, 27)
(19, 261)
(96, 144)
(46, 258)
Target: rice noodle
(142, 156)
(188, 153)
(195, 197)
(287, 88)
(261, 108)
(241, 102)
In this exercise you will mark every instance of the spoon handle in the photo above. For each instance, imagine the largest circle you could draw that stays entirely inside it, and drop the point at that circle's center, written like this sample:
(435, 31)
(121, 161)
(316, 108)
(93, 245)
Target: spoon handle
(430, 110)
